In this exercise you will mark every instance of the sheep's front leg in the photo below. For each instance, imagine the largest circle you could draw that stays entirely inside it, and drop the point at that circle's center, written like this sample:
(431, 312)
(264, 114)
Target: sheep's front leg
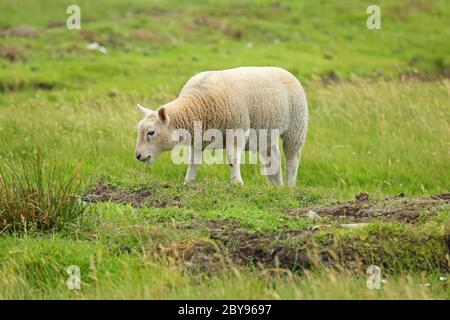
(234, 160)
(191, 174)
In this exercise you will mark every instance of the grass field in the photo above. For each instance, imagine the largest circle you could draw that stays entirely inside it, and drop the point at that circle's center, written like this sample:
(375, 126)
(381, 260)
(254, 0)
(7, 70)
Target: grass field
(72, 192)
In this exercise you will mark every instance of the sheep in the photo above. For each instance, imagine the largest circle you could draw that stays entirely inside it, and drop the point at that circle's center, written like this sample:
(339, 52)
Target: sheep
(247, 98)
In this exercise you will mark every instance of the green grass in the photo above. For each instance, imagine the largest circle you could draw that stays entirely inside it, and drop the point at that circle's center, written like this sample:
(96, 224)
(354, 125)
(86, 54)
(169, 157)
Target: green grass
(36, 269)
(37, 196)
(369, 131)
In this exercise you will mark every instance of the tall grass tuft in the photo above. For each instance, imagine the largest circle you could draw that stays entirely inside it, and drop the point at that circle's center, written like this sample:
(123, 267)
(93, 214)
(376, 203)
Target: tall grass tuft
(34, 196)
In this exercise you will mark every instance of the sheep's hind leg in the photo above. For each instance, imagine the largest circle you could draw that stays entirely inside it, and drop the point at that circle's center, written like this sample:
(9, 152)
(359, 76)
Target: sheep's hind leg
(271, 159)
(292, 151)
(191, 173)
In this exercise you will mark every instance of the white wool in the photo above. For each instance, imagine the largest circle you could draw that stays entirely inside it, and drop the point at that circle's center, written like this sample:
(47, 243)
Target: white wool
(244, 98)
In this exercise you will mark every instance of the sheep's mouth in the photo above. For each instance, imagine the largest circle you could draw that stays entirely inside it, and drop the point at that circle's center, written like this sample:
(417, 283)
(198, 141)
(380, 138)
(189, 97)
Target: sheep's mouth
(148, 160)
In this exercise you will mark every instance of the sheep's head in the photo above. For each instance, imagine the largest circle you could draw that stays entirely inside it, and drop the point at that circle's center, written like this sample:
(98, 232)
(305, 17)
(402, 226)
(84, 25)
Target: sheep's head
(154, 135)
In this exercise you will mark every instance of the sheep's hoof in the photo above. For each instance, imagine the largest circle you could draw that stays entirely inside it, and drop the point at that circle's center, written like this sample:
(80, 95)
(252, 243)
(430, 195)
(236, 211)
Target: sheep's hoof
(237, 181)
(188, 183)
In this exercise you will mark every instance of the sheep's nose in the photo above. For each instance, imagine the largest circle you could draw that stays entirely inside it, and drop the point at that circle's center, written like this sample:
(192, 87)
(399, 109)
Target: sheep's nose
(138, 156)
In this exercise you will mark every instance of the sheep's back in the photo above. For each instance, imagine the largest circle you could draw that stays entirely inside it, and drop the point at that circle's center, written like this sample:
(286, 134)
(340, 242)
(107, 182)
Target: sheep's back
(248, 97)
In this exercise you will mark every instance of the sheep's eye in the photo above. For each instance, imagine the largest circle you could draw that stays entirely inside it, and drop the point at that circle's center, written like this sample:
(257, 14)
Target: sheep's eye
(151, 133)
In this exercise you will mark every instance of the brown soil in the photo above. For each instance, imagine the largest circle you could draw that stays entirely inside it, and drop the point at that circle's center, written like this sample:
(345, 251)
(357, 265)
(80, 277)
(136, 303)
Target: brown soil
(146, 35)
(23, 31)
(137, 197)
(443, 73)
(295, 250)
(331, 77)
(21, 86)
(397, 208)
(227, 242)
(262, 248)
(12, 53)
(88, 35)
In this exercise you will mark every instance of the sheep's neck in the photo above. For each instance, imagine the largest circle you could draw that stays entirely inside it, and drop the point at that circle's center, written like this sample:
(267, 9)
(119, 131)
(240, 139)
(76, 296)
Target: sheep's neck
(183, 111)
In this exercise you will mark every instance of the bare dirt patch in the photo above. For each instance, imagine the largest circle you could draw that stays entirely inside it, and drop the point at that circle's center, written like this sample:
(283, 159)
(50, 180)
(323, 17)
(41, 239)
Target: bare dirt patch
(12, 53)
(297, 250)
(262, 249)
(145, 35)
(22, 31)
(22, 86)
(228, 243)
(424, 76)
(331, 77)
(443, 72)
(397, 208)
(137, 197)
(197, 253)
(88, 35)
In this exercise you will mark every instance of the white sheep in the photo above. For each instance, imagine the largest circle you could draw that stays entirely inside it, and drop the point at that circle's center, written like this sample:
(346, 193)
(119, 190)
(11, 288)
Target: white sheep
(245, 98)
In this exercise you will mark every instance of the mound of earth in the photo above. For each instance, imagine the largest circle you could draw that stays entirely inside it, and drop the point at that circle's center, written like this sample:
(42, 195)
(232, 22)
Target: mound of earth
(137, 197)
(360, 210)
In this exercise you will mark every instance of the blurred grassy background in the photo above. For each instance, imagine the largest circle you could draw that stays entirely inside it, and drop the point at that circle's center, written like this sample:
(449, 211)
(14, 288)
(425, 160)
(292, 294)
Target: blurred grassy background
(379, 122)
(363, 134)
(155, 46)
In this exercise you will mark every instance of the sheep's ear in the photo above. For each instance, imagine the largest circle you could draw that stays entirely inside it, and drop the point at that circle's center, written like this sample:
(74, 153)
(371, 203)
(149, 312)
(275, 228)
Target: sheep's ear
(162, 115)
(144, 111)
